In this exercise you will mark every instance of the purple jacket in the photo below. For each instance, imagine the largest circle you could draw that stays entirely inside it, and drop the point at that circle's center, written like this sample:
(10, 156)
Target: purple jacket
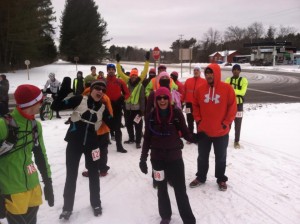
(164, 138)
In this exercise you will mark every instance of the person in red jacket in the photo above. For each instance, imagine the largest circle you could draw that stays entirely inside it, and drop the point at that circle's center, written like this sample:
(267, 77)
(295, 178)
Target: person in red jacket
(117, 91)
(214, 109)
(190, 85)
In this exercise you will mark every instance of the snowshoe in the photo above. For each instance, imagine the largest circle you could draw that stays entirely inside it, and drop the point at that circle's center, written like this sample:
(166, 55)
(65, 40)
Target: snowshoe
(65, 215)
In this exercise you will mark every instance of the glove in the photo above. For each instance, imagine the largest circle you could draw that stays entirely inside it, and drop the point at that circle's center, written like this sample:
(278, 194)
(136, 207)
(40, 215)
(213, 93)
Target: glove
(147, 55)
(48, 192)
(118, 57)
(2, 207)
(143, 167)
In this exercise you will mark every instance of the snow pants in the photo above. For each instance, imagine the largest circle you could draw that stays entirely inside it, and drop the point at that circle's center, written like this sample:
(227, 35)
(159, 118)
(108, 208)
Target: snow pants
(175, 171)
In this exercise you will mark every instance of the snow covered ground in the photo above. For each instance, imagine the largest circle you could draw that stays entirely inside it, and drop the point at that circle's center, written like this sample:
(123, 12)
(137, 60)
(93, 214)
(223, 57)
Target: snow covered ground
(264, 175)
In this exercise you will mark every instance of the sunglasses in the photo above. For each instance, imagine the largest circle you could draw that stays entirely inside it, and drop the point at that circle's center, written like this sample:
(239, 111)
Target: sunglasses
(100, 88)
(162, 97)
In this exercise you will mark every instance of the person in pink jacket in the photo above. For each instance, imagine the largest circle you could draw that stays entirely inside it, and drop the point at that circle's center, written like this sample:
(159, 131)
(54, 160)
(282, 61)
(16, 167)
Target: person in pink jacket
(214, 109)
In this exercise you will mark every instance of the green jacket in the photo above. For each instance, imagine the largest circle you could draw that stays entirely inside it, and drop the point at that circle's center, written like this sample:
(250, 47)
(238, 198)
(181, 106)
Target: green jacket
(18, 172)
(240, 86)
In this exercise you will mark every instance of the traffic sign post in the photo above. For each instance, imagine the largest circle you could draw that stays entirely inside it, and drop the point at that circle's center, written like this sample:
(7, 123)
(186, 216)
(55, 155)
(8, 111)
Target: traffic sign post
(27, 63)
(156, 54)
(76, 59)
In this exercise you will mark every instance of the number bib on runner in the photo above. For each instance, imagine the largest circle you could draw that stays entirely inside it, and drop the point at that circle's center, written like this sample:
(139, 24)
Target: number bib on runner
(159, 175)
(96, 154)
(239, 114)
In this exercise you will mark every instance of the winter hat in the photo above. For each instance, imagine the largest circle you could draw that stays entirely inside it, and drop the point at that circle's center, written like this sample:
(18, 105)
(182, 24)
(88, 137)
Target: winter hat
(236, 66)
(174, 73)
(110, 66)
(162, 67)
(100, 83)
(27, 95)
(197, 67)
(160, 92)
(152, 71)
(134, 72)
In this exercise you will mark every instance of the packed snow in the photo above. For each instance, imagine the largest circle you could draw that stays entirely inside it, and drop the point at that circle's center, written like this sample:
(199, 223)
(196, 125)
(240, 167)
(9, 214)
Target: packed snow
(264, 175)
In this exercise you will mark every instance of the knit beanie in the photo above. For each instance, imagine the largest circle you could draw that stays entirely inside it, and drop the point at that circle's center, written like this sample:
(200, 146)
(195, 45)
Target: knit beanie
(110, 66)
(152, 71)
(27, 95)
(197, 67)
(166, 92)
(100, 83)
(236, 66)
(134, 72)
(174, 75)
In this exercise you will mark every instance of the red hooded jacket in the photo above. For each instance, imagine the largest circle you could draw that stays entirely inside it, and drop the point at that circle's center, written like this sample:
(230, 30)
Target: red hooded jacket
(214, 108)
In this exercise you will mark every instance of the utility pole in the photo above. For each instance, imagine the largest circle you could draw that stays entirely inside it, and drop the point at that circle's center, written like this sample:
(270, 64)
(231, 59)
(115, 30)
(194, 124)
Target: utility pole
(180, 53)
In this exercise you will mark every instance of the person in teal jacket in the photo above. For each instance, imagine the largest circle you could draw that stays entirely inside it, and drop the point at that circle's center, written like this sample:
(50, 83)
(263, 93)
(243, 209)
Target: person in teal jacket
(20, 138)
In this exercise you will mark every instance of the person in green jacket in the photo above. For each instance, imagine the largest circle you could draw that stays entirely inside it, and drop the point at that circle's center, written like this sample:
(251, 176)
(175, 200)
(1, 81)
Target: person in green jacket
(91, 77)
(240, 85)
(20, 138)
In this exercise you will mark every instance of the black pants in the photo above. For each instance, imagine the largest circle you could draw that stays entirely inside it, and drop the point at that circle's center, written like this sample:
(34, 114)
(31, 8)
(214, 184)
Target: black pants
(73, 155)
(190, 118)
(131, 125)
(103, 146)
(28, 218)
(175, 170)
(238, 124)
(220, 149)
(117, 110)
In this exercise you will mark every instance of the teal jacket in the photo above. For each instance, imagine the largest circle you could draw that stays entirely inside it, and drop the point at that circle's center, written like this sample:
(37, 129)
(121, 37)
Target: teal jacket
(18, 173)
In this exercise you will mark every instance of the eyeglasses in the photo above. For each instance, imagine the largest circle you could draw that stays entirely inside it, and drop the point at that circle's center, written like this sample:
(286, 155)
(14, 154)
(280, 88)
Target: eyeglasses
(162, 97)
(100, 88)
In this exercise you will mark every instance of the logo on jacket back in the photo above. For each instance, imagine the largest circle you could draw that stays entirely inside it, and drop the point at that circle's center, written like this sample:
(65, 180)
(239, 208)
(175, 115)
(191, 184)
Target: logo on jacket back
(216, 98)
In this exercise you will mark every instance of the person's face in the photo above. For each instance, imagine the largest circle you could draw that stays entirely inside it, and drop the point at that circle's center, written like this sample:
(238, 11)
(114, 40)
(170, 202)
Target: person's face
(209, 76)
(97, 93)
(93, 71)
(133, 78)
(111, 71)
(162, 101)
(236, 72)
(101, 74)
(1, 78)
(197, 72)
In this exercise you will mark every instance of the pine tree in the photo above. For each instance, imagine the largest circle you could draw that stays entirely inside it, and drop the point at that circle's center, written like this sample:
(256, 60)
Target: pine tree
(83, 32)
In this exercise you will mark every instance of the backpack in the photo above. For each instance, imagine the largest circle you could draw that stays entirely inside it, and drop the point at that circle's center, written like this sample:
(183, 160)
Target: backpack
(7, 145)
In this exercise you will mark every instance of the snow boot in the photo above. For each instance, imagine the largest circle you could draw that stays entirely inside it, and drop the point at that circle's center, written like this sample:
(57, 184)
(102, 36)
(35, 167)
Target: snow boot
(97, 211)
(165, 221)
(222, 186)
(65, 215)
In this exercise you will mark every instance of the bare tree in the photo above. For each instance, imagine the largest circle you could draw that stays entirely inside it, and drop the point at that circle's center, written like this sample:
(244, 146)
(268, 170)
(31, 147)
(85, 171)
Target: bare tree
(286, 30)
(212, 36)
(234, 33)
(271, 33)
(255, 31)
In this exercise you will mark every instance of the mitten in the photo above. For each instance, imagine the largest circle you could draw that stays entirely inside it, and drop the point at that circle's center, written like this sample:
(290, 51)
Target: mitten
(147, 55)
(118, 57)
(48, 192)
(143, 167)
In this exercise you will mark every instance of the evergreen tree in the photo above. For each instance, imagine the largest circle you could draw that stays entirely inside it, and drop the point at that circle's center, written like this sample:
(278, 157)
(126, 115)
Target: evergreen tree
(83, 32)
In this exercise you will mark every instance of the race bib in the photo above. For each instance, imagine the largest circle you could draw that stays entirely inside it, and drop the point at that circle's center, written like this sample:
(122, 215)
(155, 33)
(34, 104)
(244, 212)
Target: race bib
(159, 175)
(187, 110)
(239, 114)
(31, 169)
(137, 119)
(96, 154)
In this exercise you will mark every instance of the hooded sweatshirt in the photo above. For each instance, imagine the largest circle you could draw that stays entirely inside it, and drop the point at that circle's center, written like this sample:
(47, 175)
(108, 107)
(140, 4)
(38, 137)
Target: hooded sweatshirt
(214, 107)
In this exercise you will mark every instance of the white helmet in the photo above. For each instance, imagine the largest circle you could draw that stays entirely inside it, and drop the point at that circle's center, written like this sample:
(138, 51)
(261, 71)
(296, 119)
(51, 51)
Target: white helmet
(51, 75)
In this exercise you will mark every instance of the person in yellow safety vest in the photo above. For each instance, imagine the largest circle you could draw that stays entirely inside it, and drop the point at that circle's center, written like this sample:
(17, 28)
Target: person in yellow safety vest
(78, 84)
(154, 83)
(239, 85)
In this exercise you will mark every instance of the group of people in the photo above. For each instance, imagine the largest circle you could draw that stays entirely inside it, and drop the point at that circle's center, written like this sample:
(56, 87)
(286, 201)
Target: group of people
(159, 101)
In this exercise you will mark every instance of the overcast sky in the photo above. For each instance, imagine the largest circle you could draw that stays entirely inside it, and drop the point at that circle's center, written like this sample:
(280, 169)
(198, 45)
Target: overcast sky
(146, 24)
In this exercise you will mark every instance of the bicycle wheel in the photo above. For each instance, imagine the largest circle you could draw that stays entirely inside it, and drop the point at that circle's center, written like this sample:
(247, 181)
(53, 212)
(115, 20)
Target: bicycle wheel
(45, 112)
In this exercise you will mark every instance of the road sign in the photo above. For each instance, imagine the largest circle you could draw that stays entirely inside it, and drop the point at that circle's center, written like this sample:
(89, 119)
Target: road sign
(156, 53)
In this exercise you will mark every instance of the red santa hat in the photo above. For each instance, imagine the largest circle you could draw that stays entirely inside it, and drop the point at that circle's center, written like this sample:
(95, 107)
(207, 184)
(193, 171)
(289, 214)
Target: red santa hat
(27, 95)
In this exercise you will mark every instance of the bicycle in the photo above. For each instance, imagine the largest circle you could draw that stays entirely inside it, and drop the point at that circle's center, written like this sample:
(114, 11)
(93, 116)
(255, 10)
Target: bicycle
(46, 113)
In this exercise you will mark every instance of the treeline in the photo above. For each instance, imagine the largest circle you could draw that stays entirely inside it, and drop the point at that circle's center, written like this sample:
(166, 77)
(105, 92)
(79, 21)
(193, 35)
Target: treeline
(213, 40)
(26, 33)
